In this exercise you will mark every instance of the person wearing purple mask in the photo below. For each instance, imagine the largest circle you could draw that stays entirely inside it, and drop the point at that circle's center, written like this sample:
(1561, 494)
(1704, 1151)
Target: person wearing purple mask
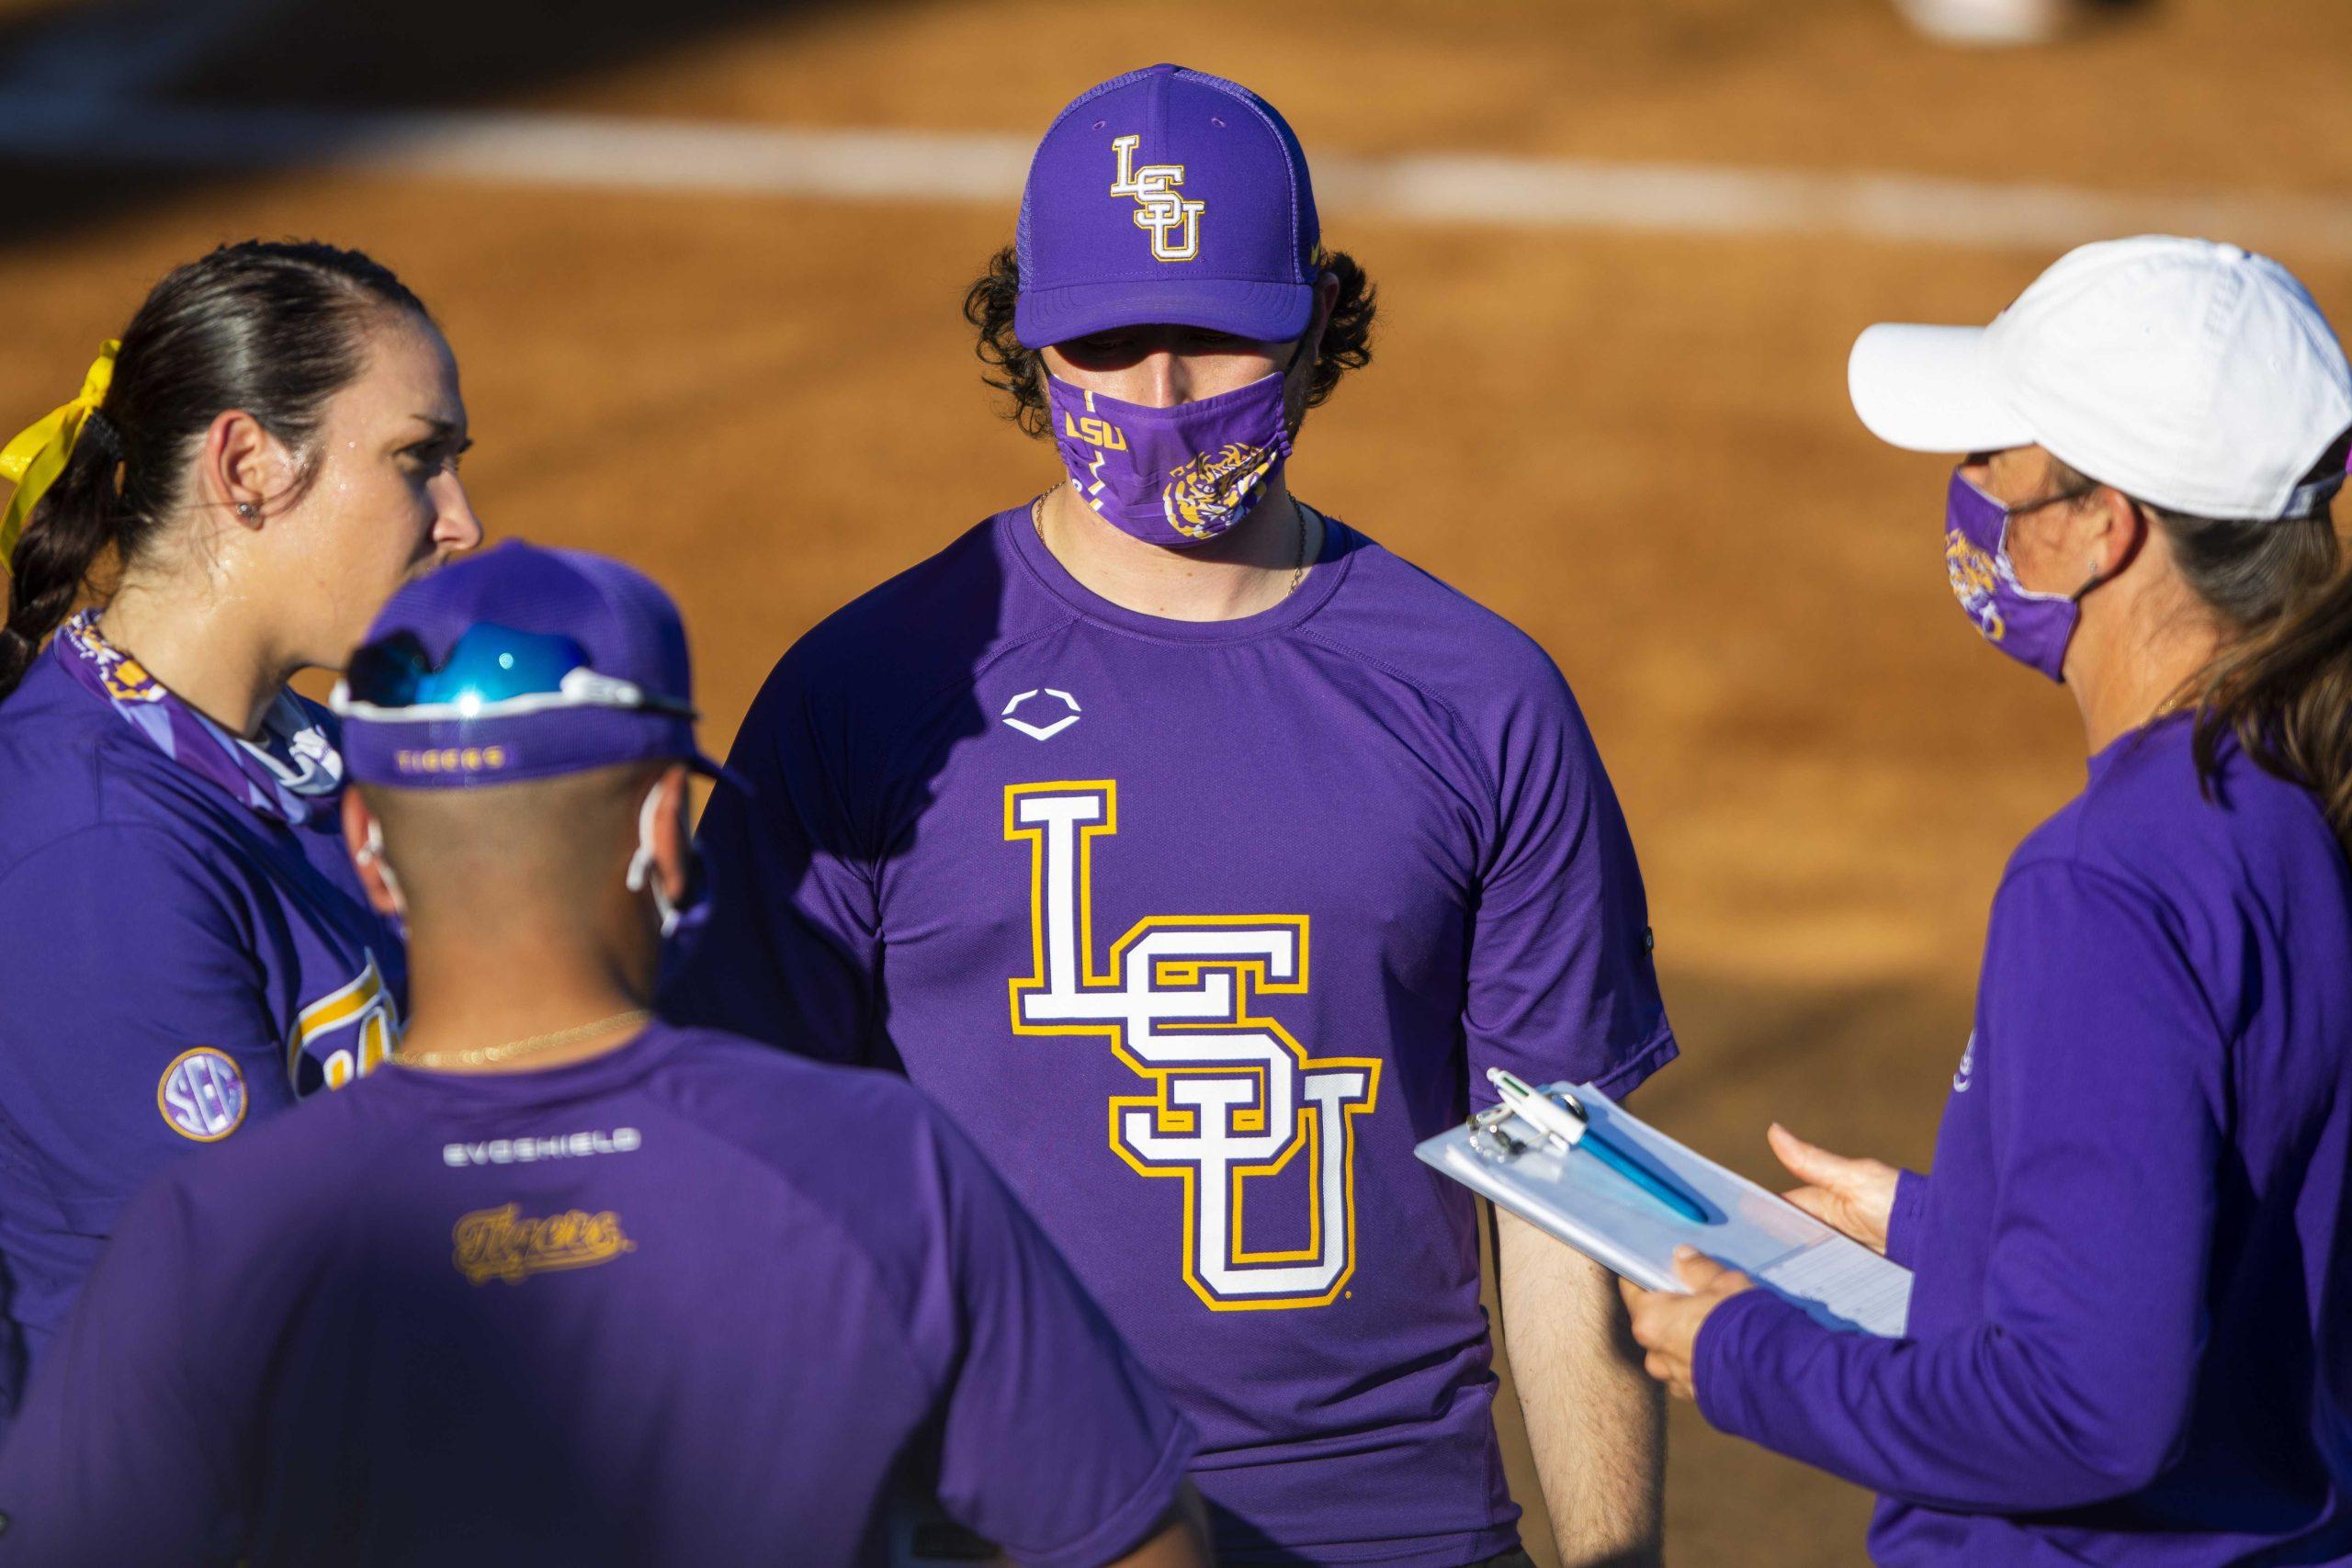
(269, 451)
(2131, 1331)
(1198, 854)
(564, 1285)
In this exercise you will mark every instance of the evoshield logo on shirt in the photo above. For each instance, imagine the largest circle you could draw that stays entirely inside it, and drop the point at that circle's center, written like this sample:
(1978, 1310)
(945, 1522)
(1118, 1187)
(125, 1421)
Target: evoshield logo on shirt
(529, 1151)
(1054, 710)
(505, 1243)
(1233, 1098)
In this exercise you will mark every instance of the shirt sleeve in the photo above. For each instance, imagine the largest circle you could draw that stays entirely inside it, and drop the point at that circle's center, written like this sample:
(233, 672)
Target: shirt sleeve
(2105, 1065)
(1561, 984)
(1903, 1218)
(122, 1456)
(138, 1025)
(1035, 1370)
(789, 950)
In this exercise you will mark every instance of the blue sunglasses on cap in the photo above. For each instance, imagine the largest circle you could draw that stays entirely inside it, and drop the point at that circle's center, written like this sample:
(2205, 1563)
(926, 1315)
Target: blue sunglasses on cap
(491, 671)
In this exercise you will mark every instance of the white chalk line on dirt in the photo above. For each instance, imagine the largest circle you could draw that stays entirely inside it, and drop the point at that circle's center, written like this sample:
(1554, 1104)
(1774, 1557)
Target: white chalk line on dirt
(619, 154)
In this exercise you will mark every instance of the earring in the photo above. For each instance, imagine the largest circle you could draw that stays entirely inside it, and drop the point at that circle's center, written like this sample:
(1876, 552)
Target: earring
(245, 510)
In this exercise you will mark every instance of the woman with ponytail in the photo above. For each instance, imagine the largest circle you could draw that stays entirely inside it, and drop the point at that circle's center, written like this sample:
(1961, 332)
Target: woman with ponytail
(2131, 1324)
(243, 479)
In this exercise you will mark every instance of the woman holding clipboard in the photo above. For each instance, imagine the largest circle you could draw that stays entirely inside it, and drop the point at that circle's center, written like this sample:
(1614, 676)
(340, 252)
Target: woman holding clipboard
(2131, 1330)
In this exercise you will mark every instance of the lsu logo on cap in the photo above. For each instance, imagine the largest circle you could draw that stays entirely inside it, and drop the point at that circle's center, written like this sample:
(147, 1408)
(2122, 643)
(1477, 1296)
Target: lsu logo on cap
(1173, 222)
(203, 1095)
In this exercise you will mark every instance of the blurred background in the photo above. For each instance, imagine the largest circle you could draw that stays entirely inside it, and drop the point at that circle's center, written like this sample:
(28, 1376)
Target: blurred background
(701, 261)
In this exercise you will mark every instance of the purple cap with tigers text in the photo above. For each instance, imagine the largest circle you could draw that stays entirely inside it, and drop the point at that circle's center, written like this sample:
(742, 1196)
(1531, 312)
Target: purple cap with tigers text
(1167, 195)
(622, 623)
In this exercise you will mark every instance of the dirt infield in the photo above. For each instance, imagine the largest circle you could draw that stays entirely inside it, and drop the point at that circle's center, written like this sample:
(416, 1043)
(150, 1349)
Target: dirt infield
(1636, 446)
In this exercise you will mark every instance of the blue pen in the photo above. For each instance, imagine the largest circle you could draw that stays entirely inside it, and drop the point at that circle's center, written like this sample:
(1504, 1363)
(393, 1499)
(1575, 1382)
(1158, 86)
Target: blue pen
(1573, 1126)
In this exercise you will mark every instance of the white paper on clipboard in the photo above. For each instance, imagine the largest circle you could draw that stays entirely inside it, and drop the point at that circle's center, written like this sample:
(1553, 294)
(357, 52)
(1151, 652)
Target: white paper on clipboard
(1574, 1197)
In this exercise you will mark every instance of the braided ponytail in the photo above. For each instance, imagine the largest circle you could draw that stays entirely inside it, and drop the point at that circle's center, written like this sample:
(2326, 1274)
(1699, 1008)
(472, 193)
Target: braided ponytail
(80, 520)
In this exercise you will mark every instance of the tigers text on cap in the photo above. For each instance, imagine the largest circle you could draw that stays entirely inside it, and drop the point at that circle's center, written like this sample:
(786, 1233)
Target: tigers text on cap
(1166, 195)
(620, 619)
(2193, 376)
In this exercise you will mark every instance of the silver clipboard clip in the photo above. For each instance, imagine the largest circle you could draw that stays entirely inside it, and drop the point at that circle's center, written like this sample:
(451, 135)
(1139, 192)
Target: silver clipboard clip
(1491, 1139)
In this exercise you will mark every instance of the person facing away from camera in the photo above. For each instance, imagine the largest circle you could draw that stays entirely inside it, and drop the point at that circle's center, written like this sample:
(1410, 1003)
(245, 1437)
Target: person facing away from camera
(564, 1285)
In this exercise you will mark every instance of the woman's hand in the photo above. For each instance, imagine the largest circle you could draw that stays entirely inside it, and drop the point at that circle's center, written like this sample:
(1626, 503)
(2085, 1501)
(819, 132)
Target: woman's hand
(1666, 1326)
(1855, 1196)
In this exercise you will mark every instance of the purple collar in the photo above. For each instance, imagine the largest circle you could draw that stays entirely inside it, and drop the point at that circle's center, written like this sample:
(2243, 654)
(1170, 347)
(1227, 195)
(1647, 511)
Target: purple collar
(287, 775)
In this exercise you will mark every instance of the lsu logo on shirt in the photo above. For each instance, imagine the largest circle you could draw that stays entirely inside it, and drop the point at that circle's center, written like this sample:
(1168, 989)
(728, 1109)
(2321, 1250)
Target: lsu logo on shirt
(346, 1034)
(1229, 1097)
(1173, 222)
(203, 1095)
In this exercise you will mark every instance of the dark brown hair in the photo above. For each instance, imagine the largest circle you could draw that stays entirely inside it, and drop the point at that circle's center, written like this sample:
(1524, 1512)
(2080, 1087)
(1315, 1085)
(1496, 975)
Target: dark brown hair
(1021, 372)
(2282, 684)
(273, 329)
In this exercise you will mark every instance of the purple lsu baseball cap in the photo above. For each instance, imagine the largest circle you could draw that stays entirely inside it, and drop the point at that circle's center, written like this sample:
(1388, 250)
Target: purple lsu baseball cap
(619, 617)
(1166, 195)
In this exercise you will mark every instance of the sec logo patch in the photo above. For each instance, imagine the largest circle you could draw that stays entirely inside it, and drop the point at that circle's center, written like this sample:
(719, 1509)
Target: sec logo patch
(203, 1095)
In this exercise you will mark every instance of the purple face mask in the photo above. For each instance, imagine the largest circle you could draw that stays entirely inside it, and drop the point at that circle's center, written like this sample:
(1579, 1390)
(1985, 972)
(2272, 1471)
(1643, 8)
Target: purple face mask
(2033, 628)
(1176, 476)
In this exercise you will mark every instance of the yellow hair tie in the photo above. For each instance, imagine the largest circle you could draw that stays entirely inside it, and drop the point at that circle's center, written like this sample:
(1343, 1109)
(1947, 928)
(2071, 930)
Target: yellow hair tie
(33, 461)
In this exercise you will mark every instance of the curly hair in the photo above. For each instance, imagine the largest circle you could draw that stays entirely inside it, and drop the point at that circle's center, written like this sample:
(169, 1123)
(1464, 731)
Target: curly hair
(1021, 372)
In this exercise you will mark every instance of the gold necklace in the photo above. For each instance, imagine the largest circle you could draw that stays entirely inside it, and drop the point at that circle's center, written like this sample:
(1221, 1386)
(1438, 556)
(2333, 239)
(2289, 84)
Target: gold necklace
(1298, 515)
(1037, 509)
(480, 1054)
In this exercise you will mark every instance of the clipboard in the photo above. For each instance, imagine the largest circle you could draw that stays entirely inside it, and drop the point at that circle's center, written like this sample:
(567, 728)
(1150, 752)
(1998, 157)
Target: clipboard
(1577, 1198)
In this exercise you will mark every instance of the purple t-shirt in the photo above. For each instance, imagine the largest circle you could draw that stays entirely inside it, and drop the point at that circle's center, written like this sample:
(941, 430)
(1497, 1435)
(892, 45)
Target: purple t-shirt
(2131, 1335)
(175, 965)
(1197, 929)
(694, 1301)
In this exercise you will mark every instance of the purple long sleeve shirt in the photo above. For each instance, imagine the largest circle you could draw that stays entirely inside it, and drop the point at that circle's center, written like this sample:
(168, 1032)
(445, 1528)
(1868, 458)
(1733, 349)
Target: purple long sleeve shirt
(2131, 1335)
